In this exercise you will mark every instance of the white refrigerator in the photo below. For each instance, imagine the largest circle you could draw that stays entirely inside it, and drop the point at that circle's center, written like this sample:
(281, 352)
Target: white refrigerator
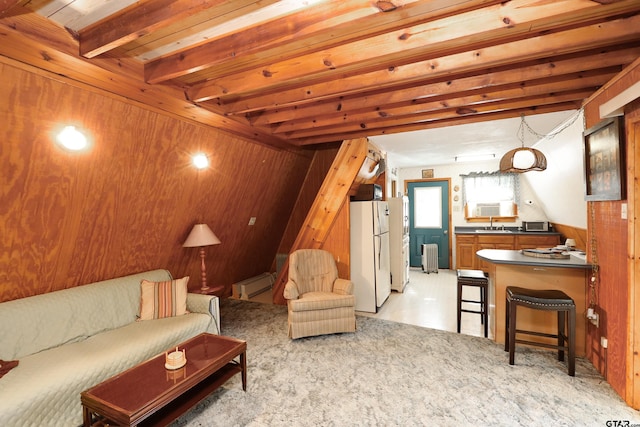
(370, 262)
(399, 241)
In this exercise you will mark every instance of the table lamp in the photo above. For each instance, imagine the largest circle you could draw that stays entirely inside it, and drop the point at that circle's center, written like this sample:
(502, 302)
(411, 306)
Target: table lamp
(201, 236)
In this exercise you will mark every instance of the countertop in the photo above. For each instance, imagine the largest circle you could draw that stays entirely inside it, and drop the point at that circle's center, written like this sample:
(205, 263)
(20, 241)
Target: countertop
(508, 231)
(502, 256)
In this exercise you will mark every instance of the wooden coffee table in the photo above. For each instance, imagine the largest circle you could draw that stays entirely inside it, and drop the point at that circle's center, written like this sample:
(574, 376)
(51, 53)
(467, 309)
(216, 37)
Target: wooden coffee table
(150, 394)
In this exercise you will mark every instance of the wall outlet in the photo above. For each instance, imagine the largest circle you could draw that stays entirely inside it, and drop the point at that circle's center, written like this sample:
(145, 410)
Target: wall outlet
(623, 211)
(252, 220)
(593, 317)
(603, 342)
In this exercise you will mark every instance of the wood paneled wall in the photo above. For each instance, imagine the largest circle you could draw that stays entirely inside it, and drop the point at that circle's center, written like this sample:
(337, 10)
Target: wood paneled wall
(127, 204)
(611, 232)
(571, 232)
(322, 160)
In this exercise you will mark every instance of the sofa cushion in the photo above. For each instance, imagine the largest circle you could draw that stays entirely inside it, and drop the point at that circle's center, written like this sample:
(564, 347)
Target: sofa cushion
(163, 299)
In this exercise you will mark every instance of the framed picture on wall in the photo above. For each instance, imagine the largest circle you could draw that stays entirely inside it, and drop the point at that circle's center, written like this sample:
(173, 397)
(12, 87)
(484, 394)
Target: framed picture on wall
(427, 173)
(604, 146)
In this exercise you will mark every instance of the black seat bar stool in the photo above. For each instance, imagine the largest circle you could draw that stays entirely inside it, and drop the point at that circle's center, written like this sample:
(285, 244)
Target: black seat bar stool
(548, 300)
(475, 278)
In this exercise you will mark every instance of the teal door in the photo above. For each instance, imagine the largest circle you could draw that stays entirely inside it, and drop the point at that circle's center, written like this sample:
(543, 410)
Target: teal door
(429, 219)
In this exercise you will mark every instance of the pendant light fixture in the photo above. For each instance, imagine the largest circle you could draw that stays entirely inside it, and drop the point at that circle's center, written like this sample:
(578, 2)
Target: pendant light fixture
(523, 159)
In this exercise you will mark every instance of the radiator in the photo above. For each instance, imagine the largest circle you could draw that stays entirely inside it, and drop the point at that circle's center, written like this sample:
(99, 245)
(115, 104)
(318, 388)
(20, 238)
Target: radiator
(253, 286)
(429, 257)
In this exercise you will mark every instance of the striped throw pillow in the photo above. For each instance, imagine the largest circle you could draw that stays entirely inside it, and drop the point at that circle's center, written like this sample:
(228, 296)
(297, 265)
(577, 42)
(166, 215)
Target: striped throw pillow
(163, 299)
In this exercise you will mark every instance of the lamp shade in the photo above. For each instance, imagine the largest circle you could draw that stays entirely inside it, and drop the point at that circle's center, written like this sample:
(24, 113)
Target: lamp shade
(201, 235)
(523, 159)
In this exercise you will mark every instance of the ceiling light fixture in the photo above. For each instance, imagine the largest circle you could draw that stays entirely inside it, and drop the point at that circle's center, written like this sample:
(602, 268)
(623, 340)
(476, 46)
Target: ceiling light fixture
(200, 161)
(474, 157)
(72, 139)
(523, 159)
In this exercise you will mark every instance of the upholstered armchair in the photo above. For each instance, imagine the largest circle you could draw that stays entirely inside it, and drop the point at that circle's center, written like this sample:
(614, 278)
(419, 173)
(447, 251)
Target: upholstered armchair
(319, 302)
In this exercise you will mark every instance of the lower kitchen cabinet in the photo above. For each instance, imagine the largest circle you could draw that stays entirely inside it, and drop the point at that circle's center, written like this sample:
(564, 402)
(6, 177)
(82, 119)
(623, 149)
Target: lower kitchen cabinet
(468, 244)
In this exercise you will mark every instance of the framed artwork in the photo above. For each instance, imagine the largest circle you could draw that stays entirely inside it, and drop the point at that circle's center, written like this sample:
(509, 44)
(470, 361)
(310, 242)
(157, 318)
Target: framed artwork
(604, 162)
(427, 173)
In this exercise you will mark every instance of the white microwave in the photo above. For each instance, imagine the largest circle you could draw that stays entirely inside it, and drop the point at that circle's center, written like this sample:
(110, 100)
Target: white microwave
(535, 225)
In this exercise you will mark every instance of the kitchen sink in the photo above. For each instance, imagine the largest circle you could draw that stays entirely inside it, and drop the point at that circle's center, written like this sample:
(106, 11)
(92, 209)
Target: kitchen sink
(494, 231)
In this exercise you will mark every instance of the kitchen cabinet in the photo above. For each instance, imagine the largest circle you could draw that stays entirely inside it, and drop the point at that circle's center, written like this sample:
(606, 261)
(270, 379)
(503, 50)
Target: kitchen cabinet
(529, 241)
(467, 244)
(465, 252)
(492, 241)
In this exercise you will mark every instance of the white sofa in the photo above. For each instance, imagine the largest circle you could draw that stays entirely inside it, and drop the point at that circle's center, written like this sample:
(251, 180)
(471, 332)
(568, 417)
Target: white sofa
(69, 340)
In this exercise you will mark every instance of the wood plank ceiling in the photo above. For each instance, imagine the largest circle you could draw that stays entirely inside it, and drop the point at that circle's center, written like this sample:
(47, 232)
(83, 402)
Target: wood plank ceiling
(297, 72)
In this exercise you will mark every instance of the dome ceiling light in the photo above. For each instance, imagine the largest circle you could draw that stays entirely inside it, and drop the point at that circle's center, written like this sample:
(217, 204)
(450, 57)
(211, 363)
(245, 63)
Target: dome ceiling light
(523, 159)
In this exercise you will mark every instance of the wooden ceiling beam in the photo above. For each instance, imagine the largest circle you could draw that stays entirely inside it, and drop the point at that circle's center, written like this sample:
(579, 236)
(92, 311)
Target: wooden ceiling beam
(324, 25)
(508, 22)
(212, 23)
(135, 21)
(443, 114)
(426, 91)
(454, 121)
(421, 64)
(585, 38)
(295, 30)
(544, 94)
(589, 80)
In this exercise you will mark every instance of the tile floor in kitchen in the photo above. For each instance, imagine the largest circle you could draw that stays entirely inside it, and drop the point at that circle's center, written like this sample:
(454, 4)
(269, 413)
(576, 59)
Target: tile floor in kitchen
(428, 300)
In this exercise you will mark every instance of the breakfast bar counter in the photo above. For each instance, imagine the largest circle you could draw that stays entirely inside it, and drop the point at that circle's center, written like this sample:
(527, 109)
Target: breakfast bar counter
(512, 268)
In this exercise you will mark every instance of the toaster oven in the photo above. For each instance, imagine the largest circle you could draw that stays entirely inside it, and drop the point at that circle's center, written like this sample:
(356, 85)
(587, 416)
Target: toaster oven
(535, 225)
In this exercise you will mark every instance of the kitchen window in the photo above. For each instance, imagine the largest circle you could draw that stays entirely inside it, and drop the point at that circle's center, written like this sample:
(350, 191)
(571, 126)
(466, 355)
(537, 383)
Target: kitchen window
(491, 196)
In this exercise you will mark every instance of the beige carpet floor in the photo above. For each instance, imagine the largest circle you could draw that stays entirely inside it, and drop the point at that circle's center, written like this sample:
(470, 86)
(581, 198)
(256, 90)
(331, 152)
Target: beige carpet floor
(393, 374)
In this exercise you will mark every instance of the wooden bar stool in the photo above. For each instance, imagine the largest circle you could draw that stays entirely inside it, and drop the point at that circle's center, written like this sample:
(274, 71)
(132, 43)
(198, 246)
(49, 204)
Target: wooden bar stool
(478, 279)
(548, 300)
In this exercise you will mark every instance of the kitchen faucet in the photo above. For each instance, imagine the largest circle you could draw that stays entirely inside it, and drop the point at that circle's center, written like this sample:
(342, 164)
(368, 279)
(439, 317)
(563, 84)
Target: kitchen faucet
(490, 223)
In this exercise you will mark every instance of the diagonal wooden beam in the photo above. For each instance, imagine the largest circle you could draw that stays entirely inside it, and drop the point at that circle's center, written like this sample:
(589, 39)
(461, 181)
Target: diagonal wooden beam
(508, 22)
(326, 205)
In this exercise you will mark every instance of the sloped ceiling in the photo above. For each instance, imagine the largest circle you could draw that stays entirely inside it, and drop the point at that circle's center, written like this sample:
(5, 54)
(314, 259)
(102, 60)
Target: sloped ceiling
(296, 73)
